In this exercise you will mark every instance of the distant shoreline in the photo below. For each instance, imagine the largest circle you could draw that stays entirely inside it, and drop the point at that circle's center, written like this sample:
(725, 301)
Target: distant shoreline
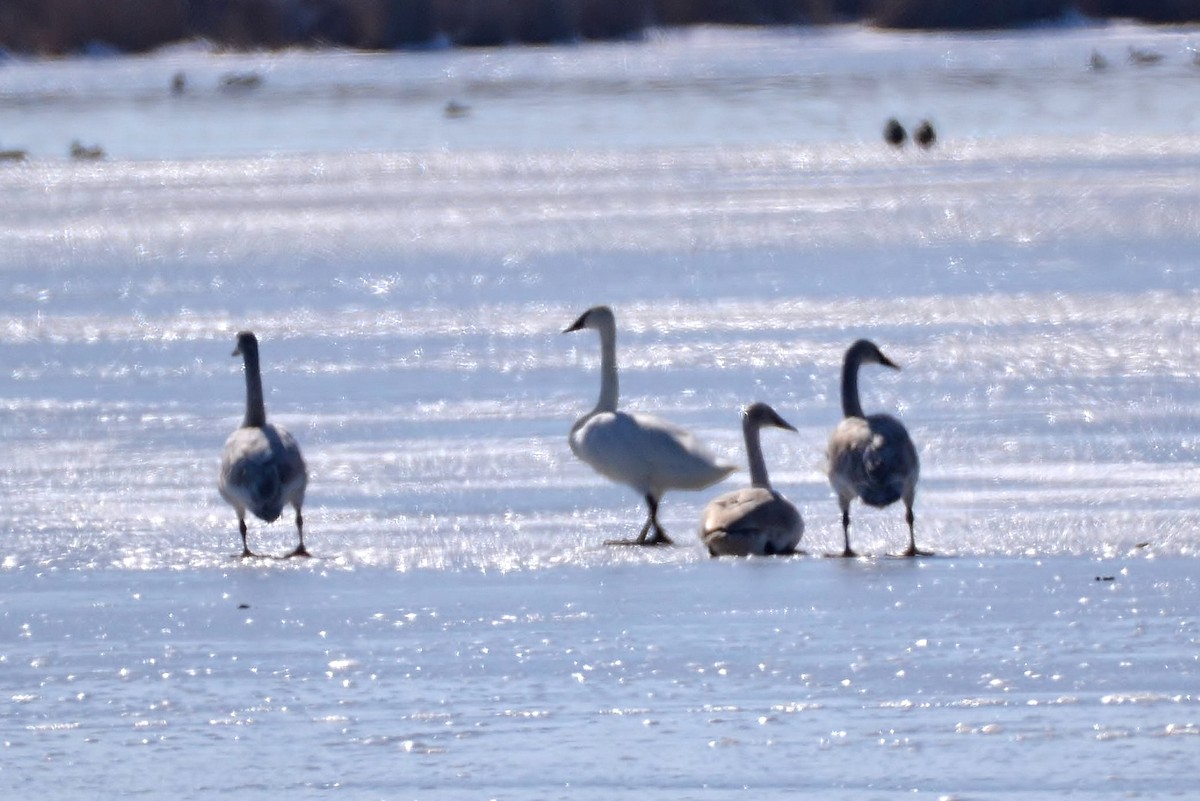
(66, 27)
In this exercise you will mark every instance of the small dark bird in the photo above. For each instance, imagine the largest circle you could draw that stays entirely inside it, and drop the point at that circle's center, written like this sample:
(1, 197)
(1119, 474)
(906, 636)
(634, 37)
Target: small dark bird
(237, 82)
(925, 136)
(1144, 58)
(894, 133)
(80, 152)
(178, 83)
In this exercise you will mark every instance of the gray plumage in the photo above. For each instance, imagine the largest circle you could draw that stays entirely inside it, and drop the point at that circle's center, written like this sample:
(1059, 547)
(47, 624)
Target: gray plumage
(871, 457)
(640, 451)
(756, 520)
(262, 469)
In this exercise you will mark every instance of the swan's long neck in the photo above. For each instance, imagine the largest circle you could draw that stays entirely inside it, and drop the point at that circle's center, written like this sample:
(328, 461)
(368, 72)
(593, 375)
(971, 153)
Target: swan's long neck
(609, 387)
(256, 412)
(758, 466)
(851, 407)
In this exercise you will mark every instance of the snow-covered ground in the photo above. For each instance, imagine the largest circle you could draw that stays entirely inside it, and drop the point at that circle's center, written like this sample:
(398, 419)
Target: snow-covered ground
(462, 632)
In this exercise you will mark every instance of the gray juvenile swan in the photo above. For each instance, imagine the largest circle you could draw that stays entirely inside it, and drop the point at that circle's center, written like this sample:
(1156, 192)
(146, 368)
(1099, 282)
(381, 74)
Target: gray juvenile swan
(643, 452)
(756, 520)
(871, 457)
(261, 467)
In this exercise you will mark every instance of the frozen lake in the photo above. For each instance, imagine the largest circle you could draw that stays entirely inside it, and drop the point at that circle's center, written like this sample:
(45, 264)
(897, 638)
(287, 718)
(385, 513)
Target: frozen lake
(463, 633)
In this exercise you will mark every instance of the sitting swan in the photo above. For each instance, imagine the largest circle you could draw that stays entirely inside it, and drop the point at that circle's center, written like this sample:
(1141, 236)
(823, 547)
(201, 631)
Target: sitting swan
(871, 457)
(261, 467)
(646, 453)
(756, 520)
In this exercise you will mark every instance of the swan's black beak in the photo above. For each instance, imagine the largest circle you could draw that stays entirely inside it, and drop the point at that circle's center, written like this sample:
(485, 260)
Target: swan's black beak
(886, 362)
(779, 422)
(577, 325)
(236, 351)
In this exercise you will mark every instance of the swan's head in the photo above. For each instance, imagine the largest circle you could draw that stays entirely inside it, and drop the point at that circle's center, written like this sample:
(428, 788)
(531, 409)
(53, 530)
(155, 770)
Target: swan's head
(760, 415)
(864, 351)
(597, 317)
(246, 343)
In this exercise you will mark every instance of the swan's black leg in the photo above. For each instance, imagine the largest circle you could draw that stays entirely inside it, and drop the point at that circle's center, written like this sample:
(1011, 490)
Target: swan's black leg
(246, 552)
(912, 549)
(644, 536)
(847, 551)
(300, 549)
(660, 535)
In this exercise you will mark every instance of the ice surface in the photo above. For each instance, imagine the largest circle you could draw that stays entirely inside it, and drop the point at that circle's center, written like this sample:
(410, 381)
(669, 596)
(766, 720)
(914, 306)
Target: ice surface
(960, 678)
(462, 632)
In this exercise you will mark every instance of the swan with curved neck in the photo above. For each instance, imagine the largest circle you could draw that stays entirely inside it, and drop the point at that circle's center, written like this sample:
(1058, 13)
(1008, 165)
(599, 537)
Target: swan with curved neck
(756, 520)
(262, 469)
(643, 452)
(871, 457)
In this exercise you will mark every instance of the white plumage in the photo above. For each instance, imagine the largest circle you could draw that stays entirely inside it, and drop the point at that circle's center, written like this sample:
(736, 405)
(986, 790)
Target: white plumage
(756, 520)
(643, 452)
(262, 469)
(871, 457)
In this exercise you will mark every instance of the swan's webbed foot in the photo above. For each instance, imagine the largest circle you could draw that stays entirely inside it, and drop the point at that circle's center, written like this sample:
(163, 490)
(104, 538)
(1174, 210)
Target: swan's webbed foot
(299, 551)
(913, 550)
(849, 553)
(660, 538)
(248, 554)
(642, 541)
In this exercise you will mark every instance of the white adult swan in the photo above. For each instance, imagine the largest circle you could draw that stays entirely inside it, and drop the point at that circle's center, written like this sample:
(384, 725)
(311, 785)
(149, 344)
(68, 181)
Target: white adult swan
(871, 457)
(756, 520)
(646, 453)
(261, 467)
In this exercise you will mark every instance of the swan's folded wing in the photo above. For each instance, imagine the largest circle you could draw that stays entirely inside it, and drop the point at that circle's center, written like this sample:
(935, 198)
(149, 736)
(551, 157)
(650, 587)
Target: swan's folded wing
(645, 452)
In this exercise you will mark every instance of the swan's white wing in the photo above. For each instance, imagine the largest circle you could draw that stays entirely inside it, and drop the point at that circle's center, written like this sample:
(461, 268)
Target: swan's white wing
(648, 454)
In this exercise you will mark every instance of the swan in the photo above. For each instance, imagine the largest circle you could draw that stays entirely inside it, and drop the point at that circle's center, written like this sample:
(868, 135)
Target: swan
(871, 457)
(261, 467)
(756, 520)
(646, 453)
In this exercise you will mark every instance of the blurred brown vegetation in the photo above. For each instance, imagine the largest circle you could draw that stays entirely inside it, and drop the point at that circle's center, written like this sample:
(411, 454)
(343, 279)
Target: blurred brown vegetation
(66, 26)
